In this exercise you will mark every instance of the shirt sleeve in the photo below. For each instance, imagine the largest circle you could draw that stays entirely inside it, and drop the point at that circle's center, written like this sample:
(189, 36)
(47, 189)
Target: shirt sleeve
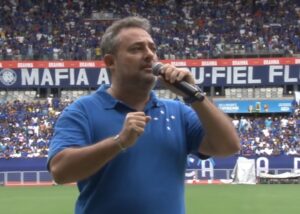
(194, 130)
(71, 130)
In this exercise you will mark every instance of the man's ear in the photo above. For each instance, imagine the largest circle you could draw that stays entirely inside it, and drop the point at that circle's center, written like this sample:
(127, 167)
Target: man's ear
(109, 61)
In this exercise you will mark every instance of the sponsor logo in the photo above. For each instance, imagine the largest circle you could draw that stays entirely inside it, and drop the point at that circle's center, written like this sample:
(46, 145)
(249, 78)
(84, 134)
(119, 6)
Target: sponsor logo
(8, 77)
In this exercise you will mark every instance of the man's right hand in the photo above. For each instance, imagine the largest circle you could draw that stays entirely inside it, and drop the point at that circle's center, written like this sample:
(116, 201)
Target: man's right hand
(134, 125)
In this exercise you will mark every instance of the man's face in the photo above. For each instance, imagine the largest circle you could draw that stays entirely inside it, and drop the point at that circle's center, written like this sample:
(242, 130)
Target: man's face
(134, 57)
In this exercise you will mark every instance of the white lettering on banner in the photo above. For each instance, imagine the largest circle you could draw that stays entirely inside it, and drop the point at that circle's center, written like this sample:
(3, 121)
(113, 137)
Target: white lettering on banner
(233, 75)
(46, 78)
(273, 72)
(229, 75)
(241, 75)
(279, 70)
(229, 107)
(103, 77)
(271, 62)
(287, 77)
(216, 73)
(240, 62)
(207, 169)
(33, 78)
(262, 165)
(209, 63)
(56, 64)
(296, 161)
(25, 65)
(191, 174)
(200, 78)
(181, 63)
(297, 61)
(239, 72)
(87, 64)
(60, 74)
(1, 65)
(285, 106)
(72, 76)
(28, 79)
(82, 77)
(251, 80)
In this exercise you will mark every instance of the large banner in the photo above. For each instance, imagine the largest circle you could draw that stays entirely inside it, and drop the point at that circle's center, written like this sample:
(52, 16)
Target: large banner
(266, 162)
(210, 72)
(215, 168)
(254, 106)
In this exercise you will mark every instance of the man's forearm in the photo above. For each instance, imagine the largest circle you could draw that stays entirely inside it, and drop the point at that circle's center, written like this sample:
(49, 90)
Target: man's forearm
(75, 164)
(221, 138)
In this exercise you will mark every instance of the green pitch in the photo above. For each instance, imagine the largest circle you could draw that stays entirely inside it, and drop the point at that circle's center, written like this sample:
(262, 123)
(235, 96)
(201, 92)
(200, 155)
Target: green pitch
(200, 199)
(243, 199)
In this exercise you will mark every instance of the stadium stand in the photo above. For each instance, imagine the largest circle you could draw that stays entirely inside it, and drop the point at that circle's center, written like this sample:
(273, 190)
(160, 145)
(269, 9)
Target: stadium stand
(269, 135)
(197, 30)
(64, 30)
(184, 30)
(26, 128)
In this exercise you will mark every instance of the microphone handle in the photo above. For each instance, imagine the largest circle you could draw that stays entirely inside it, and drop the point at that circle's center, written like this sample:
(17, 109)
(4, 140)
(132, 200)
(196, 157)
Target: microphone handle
(183, 86)
(186, 88)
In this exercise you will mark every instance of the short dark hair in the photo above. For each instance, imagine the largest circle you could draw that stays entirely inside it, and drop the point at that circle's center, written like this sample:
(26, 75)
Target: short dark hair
(109, 41)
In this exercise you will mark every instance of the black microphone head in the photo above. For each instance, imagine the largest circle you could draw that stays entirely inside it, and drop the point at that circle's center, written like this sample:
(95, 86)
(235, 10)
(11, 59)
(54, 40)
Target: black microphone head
(156, 67)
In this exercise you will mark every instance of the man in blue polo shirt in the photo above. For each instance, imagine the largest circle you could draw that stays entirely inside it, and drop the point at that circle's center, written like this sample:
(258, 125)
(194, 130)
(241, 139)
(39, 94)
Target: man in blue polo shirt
(127, 149)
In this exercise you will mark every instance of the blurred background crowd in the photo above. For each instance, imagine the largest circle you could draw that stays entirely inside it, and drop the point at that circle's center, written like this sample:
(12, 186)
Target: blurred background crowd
(26, 128)
(189, 29)
(182, 29)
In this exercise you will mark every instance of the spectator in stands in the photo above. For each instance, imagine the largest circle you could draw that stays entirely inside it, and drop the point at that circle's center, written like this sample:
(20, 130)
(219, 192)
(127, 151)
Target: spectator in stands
(113, 142)
(268, 123)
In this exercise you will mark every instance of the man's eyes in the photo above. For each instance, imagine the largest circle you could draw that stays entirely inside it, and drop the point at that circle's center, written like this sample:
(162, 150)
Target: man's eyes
(141, 48)
(153, 49)
(136, 48)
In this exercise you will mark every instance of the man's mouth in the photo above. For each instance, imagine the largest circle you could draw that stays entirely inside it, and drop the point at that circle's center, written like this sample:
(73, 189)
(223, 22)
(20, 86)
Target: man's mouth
(147, 68)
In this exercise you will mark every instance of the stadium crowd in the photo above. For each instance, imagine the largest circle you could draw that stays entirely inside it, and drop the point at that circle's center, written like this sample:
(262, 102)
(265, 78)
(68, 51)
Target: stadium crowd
(64, 30)
(26, 128)
(72, 30)
(269, 135)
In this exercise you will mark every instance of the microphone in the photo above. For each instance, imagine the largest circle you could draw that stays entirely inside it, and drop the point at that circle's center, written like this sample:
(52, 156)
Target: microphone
(183, 86)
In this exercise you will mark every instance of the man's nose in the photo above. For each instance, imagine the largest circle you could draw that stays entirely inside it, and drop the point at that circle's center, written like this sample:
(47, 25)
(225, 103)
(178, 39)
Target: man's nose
(149, 54)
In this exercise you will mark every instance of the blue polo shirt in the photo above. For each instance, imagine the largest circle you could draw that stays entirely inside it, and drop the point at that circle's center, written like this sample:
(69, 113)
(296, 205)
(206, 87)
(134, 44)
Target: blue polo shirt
(148, 178)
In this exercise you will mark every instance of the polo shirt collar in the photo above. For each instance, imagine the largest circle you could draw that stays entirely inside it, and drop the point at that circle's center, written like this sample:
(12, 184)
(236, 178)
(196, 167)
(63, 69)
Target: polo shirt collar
(110, 102)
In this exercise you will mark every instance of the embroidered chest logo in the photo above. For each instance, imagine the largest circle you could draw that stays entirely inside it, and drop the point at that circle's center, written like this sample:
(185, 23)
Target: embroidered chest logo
(162, 116)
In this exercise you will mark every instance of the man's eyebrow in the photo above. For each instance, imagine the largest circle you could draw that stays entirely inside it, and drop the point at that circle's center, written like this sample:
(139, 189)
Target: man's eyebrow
(142, 43)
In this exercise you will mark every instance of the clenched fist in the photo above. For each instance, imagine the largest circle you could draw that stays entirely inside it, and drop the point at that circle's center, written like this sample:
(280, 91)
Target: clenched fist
(134, 125)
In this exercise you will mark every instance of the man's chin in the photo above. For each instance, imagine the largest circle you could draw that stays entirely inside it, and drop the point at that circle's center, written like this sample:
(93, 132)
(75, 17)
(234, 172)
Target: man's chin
(149, 81)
